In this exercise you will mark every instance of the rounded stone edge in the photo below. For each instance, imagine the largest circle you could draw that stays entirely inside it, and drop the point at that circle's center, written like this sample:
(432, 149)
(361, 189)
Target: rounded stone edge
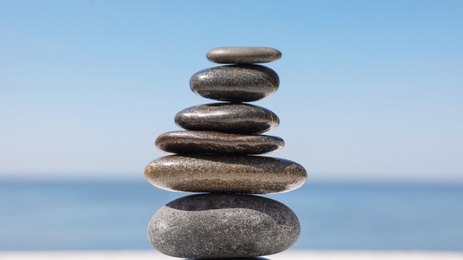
(150, 173)
(194, 256)
(226, 55)
(268, 75)
(180, 118)
(204, 142)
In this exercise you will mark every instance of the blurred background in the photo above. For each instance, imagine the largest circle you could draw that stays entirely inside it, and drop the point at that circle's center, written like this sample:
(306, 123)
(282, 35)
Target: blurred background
(370, 103)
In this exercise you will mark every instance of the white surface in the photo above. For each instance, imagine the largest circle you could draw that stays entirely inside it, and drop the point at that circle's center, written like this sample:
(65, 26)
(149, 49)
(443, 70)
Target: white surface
(288, 255)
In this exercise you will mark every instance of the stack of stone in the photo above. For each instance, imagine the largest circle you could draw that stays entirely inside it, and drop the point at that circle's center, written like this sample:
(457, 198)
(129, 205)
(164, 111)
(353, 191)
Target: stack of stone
(216, 156)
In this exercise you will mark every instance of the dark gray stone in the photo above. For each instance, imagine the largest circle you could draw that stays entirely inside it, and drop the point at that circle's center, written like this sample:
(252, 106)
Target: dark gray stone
(234, 118)
(225, 173)
(232, 258)
(187, 142)
(243, 55)
(239, 83)
(223, 225)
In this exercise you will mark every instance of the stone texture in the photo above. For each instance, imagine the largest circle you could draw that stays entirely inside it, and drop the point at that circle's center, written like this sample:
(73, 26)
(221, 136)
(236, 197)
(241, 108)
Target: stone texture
(223, 225)
(243, 55)
(222, 173)
(187, 142)
(228, 118)
(239, 83)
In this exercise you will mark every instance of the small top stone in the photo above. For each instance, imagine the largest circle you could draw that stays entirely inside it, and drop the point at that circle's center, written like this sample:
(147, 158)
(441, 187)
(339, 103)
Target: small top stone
(239, 55)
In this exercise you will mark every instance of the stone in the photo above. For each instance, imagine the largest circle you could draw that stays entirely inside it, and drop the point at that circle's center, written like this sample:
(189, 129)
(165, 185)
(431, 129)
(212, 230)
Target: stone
(243, 55)
(223, 226)
(188, 142)
(225, 173)
(235, 118)
(239, 83)
(231, 258)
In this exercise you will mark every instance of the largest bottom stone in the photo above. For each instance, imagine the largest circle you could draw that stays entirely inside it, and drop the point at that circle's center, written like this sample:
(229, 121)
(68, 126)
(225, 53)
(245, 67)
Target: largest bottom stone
(223, 226)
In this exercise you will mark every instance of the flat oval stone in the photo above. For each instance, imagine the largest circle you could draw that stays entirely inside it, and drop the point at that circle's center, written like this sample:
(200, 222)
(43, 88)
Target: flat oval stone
(223, 226)
(225, 173)
(234, 118)
(243, 55)
(239, 83)
(187, 142)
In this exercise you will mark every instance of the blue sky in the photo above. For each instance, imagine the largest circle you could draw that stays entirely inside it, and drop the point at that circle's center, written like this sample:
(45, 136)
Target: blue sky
(369, 89)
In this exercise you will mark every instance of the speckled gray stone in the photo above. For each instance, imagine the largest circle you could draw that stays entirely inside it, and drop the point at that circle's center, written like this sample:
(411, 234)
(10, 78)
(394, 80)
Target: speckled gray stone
(243, 55)
(225, 173)
(223, 225)
(239, 83)
(232, 258)
(228, 118)
(188, 142)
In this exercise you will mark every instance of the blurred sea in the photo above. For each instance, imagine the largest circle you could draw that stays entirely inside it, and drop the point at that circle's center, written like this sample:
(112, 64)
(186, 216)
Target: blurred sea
(88, 215)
